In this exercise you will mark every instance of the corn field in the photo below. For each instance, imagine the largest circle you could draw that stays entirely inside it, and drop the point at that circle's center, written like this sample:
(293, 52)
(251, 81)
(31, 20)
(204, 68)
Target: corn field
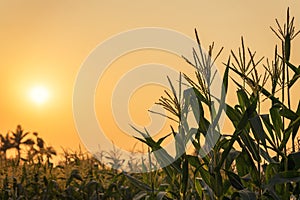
(259, 159)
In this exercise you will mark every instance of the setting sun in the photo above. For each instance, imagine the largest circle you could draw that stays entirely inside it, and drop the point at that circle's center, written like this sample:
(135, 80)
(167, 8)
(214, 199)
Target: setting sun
(39, 94)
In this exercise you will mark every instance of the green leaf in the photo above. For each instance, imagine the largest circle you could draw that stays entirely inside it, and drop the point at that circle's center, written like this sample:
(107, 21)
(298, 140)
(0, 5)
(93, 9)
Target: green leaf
(160, 195)
(199, 114)
(258, 130)
(137, 183)
(277, 122)
(189, 136)
(245, 165)
(233, 154)
(271, 170)
(287, 113)
(235, 180)
(196, 145)
(269, 127)
(225, 78)
(246, 194)
(195, 104)
(164, 159)
(266, 156)
(294, 161)
(297, 125)
(147, 140)
(223, 98)
(204, 189)
(193, 160)
(284, 177)
(140, 195)
(185, 176)
(294, 80)
(239, 130)
(296, 74)
(288, 131)
(205, 175)
(222, 143)
(160, 140)
(250, 144)
(233, 115)
(243, 99)
(200, 97)
(198, 187)
(292, 124)
(294, 68)
(216, 179)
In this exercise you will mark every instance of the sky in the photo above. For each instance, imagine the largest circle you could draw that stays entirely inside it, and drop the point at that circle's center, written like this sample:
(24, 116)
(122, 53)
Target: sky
(44, 44)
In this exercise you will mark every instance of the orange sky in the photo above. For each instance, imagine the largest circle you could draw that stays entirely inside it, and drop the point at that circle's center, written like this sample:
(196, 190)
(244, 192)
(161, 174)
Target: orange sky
(45, 43)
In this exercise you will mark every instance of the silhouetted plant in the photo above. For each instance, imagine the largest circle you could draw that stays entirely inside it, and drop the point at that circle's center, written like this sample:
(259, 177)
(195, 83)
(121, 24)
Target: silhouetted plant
(19, 138)
(42, 150)
(6, 144)
(225, 172)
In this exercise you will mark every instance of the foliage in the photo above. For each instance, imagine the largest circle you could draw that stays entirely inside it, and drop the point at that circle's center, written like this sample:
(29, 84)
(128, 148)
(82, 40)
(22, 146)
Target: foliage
(252, 162)
(76, 176)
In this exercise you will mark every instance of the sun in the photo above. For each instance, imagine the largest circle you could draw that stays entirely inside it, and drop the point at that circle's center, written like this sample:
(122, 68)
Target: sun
(39, 94)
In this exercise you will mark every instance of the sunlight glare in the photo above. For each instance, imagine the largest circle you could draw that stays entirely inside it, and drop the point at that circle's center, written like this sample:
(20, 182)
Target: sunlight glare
(39, 94)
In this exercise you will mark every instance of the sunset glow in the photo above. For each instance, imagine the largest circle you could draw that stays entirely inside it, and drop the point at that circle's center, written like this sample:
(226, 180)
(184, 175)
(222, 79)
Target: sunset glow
(44, 44)
(39, 94)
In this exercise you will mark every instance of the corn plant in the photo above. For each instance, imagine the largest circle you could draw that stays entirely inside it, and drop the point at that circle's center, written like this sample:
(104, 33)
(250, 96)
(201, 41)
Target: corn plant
(241, 164)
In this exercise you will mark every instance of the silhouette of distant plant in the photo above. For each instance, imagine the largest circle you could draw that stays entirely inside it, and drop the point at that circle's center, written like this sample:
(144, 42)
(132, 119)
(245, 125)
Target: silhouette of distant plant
(19, 138)
(5, 144)
(43, 150)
